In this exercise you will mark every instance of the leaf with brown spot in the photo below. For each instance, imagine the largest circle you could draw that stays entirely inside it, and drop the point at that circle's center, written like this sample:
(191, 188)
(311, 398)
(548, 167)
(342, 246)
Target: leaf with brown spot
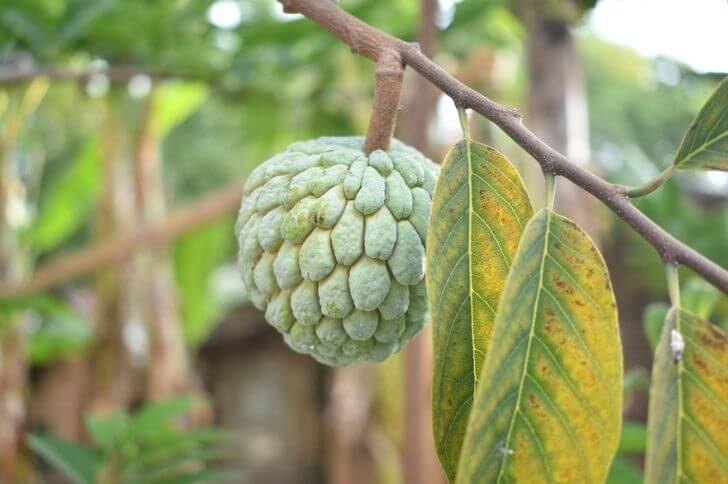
(479, 210)
(688, 417)
(549, 402)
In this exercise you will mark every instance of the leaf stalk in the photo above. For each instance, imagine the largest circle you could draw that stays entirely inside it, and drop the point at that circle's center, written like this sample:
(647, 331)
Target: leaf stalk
(652, 185)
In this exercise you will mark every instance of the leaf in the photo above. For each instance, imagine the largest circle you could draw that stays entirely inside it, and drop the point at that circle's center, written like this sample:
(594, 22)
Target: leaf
(174, 103)
(107, 430)
(653, 318)
(57, 330)
(623, 472)
(699, 297)
(198, 477)
(549, 403)
(705, 145)
(175, 465)
(68, 201)
(79, 463)
(178, 443)
(200, 303)
(633, 438)
(479, 209)
(635, 380)
(688, 414)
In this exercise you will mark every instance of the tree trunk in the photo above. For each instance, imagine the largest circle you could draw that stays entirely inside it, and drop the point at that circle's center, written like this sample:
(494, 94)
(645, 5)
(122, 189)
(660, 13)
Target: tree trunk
(168, 369)
(14, 266)
(557, 106)
(110, 362)
(13, 367)
(420, 463)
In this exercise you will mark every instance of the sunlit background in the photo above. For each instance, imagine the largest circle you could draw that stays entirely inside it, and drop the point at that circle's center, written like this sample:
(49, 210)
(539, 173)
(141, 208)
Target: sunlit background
(118, 114)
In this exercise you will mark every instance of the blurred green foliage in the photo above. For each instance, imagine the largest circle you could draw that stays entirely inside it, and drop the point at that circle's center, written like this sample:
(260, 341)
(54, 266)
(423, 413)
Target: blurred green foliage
(639, 112)
(55, 329)
(240, 95)
(147, 447)
(247, 92)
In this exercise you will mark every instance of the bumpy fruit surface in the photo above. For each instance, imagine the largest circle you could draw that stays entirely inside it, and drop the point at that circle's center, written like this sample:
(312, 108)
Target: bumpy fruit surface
(332, 245)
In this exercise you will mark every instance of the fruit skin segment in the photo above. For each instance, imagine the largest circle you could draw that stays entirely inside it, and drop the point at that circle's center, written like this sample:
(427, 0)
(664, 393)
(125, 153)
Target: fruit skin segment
(332, 243)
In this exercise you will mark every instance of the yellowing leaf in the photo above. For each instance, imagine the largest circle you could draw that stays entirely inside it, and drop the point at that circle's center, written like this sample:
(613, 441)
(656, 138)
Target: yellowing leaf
(549, 404)
(687, 429)
(705, 145)
(479, 209)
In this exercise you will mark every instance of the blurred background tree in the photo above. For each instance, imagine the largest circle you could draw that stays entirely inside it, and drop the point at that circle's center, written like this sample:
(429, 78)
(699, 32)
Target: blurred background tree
(120, 114)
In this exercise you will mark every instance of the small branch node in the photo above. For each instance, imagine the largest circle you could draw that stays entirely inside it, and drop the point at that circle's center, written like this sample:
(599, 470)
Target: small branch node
(353, 41)
(388, 74)
(289, 6)
(514, 112)
(415, 46)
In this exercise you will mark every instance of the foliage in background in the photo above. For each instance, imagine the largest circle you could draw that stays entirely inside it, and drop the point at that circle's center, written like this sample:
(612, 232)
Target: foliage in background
(639, 111)
(55, 329)
(146, 447)
(258, 73)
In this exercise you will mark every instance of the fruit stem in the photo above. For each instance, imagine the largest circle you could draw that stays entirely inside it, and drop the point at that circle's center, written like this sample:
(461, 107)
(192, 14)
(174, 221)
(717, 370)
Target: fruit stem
(388, 85)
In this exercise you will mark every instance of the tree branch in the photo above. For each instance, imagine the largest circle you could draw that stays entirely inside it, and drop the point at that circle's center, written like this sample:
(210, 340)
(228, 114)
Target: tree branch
(369, 42)
(67, 266)
(389, 73)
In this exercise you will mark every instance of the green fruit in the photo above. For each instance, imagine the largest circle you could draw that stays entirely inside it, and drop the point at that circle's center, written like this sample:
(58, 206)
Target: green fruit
(332, 245)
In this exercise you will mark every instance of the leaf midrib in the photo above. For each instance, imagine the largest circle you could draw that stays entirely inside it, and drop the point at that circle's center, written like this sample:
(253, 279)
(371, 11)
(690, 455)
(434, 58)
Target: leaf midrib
(680, 402)
(469, 157)
(692, 154)
(531, 334)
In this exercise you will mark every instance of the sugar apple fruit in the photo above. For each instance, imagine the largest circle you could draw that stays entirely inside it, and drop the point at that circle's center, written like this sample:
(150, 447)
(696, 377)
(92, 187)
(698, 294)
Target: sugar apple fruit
(331, 246)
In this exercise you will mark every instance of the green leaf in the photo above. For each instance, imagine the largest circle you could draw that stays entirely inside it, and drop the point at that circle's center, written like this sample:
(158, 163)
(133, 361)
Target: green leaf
(699, 297)
(107, 430)
(69, 199)
(160, 413)
(652, 319)
(479, 209)
(636, 380)
(633, 438)
(688, 415)
(705, 145)
(174, 465)
(549, 402)
(155, 418)
(79, 463)
(623, 472)
(200, 305)
(198, 477)
(174, 103)
(58, 330)
(179, 443)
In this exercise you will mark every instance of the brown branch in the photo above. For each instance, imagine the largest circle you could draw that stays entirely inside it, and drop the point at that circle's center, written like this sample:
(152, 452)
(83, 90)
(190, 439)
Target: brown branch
(369, 42)
(389, 73)
(67, 266)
